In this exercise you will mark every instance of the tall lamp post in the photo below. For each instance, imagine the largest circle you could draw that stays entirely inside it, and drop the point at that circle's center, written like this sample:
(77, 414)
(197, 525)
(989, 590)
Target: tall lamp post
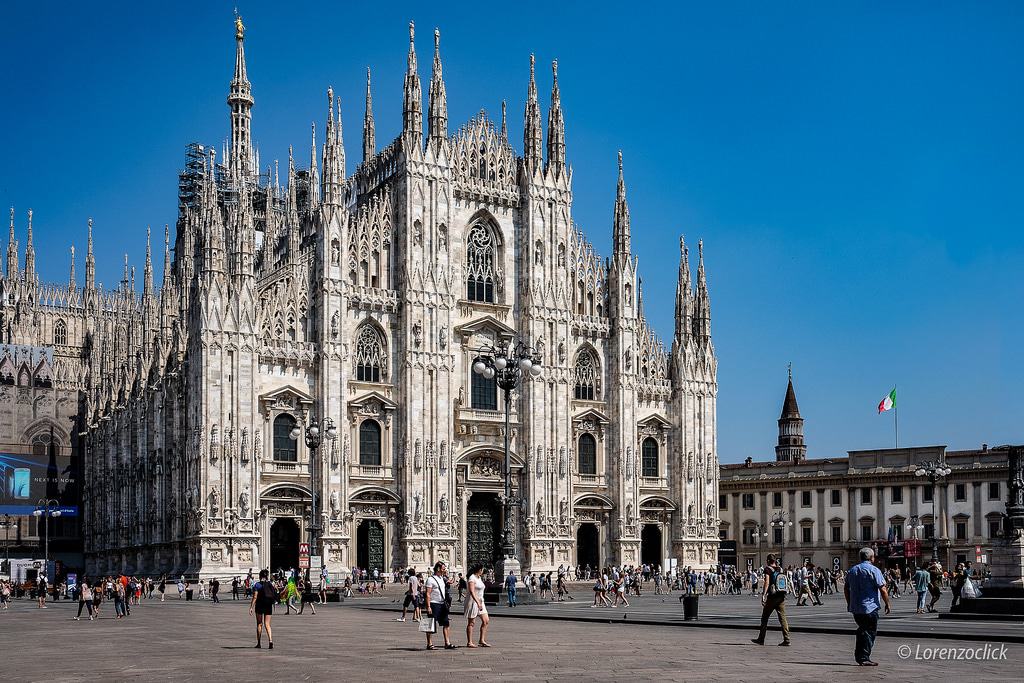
(934, 471)
(781, 520)
(7, 543)
(47, 508)
(508, 363)
(760, 533)
(314, 433)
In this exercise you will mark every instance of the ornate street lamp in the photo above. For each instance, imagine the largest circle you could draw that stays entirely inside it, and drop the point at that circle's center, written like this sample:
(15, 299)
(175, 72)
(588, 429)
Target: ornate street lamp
(914, 526)
(509, 364)
(314, 435)
(781, 520)
(47, 508)
(760, 533)
(934, 471)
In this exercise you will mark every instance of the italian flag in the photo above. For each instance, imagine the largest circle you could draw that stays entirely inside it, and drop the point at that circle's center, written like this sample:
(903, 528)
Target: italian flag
(889, 402)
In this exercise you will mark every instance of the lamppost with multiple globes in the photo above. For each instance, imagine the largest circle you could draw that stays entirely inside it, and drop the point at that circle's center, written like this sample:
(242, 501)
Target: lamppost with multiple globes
(47, 508)
(508, 364)
(781, 520)
(934, 471)
(760, 533)
(314, 432)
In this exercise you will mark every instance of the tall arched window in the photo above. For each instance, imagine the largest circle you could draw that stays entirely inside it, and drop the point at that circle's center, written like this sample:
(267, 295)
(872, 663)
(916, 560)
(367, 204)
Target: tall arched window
(480, 265)
(586, 376)
(285, 449)
(369, 443)
(60, 333)
(586, 456)
(649, 458)
(371, 358)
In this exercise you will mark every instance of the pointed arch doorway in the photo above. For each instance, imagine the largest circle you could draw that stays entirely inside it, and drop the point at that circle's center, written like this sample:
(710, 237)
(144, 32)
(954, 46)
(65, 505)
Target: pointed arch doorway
(370, 546)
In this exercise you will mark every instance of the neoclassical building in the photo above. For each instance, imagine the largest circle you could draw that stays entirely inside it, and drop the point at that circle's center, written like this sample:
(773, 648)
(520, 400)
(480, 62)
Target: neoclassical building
(364, 297)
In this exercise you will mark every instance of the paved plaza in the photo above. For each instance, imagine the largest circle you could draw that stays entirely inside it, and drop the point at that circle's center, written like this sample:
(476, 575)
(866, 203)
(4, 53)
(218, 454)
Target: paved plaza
(360, 640)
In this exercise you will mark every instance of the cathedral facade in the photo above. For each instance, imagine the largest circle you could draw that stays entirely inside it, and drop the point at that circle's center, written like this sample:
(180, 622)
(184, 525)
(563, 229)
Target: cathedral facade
(364, 298)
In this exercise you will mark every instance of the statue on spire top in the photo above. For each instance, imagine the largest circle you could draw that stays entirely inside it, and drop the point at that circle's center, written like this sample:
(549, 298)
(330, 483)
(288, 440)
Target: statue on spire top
(239, 27)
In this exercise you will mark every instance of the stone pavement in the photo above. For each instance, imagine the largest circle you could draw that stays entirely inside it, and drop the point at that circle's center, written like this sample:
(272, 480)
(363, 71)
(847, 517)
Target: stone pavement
(180, 641)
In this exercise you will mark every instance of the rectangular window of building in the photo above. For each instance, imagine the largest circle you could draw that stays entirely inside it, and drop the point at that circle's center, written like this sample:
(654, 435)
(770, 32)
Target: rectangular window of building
(837, 534)
(483, 392)
(927, 493)
(776, 499)
(929, 530)
(777, 536)
(865, 532)
(865, 496)
(748, 501)
(723, 502)
(837, 497)
(805, 534)
(993, 528)
(961, 531)
(960, 492)
(805, 499)
(897, 532)
(748, 536)
(723, 535)
(897, 494)
(993, 490)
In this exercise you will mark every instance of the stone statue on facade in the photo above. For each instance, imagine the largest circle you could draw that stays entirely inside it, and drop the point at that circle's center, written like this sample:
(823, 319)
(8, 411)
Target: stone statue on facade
(442, 506)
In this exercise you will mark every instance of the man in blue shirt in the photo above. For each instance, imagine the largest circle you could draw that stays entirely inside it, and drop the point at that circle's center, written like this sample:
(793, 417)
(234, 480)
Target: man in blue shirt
(510, 588)
(864, 584)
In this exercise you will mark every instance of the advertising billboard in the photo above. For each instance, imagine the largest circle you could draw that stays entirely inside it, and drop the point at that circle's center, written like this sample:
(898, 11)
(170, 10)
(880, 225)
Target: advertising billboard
(26, 478)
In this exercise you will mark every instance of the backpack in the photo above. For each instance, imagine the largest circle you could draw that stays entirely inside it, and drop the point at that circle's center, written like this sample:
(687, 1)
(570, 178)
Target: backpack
(268, 592)
(780, 583)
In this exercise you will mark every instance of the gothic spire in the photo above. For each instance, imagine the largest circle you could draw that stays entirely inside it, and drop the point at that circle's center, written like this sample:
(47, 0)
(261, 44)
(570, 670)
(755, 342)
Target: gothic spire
(12, 251)
(293, 209)
(30, 254)
(702, 304)
(71, 275)
(240, 102)
(147, 273)
(369, 143)
(438, 98)
(684, 294)
(532, 134)
(167, 257)
(620, 230)
(334, 154)
(504, 122)
(412, 109)
(90, 262)
(556, 127)
(314, 173)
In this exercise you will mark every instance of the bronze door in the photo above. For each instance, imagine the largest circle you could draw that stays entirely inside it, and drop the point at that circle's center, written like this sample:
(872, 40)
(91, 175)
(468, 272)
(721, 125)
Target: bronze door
(482, 534)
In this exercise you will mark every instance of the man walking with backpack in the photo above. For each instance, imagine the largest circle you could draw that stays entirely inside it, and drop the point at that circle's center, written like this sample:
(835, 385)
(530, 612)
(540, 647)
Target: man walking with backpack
(773, 599)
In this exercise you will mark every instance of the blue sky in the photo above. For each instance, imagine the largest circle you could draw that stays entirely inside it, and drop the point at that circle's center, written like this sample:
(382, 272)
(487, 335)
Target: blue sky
(853, 168)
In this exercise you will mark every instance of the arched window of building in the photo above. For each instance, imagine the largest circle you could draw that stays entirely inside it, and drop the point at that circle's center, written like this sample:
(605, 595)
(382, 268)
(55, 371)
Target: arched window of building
(60, 333)
(587, 454)
(586, 376)
(285, 449)
(371, 354)
(649, 457)
(480, 265)
(369, 443)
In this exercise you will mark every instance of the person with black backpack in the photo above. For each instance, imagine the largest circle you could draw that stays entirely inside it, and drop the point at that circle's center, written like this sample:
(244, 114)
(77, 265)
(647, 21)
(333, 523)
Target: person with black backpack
(264, 596)
(773, 599)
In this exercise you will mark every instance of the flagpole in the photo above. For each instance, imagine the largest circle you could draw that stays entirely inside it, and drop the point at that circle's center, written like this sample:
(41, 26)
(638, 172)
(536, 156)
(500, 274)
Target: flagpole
(896, 415)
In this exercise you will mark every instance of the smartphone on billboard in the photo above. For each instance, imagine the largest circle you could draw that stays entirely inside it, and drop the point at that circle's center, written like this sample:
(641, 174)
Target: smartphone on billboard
(22, 478)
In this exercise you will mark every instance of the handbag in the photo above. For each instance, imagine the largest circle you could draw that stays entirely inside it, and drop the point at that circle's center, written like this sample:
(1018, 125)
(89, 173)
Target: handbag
(428, 625)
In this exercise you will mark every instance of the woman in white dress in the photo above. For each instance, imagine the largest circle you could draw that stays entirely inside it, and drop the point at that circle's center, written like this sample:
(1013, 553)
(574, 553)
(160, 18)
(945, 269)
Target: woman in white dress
(475, 608)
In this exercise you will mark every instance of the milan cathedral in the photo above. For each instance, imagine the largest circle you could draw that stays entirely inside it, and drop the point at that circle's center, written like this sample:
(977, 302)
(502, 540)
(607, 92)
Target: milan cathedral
(364, 298)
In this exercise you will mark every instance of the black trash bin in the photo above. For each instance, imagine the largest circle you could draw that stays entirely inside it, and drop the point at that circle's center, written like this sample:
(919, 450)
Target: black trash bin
(690, 607)
(188, 594)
